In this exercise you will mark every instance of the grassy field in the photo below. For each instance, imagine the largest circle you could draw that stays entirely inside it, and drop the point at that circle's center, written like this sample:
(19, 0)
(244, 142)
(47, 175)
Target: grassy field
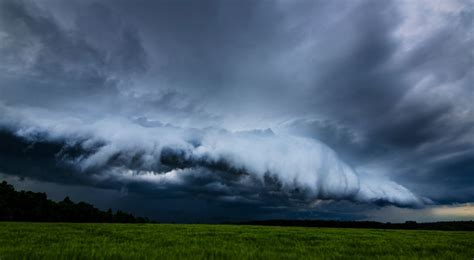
(140, 241)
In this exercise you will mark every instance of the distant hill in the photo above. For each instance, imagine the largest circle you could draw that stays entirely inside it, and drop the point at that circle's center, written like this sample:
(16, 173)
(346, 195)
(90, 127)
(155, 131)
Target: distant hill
(35, 206)
(444, 225)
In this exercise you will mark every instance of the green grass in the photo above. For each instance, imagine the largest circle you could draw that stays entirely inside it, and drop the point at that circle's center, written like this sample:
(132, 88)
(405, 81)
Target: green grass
(151, 241)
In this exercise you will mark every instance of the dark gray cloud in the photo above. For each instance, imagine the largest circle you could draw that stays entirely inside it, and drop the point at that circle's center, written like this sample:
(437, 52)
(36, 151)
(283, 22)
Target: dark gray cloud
(164, 99)
(38, 50)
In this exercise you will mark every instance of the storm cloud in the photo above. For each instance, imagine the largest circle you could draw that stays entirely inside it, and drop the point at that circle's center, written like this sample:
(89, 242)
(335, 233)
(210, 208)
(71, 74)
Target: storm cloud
(270, 106)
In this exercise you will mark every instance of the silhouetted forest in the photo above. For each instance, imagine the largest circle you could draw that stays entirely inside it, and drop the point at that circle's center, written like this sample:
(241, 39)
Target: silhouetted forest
(35, 206)
(444, 225)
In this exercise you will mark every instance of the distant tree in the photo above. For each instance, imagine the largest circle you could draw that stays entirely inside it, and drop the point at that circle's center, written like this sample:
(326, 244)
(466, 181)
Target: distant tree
(35, 206)
(443, 225)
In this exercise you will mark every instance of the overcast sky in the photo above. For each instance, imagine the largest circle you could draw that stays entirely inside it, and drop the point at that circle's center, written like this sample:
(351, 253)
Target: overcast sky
(235, 110)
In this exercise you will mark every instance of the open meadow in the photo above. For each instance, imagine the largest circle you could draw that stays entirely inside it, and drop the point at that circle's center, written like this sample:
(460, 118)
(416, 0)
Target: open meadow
(165, 241)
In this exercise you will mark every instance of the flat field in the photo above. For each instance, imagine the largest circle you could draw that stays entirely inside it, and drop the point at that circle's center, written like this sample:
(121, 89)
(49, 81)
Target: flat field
(170, 241)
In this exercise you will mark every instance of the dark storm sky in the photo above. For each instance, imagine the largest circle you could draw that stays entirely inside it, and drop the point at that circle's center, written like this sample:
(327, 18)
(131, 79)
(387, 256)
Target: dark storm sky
(225, 110)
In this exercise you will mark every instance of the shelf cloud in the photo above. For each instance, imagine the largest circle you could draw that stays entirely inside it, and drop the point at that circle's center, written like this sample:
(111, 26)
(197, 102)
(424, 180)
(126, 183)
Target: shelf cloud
(242, 164)
(267, 108)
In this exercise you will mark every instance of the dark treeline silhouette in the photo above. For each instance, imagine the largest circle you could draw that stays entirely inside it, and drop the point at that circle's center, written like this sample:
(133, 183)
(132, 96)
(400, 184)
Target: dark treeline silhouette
(444, 225)
(35, 206)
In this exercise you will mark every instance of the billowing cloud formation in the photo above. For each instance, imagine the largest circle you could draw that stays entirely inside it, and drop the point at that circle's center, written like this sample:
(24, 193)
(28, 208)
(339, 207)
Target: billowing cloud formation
(367, 101)
(243, 165)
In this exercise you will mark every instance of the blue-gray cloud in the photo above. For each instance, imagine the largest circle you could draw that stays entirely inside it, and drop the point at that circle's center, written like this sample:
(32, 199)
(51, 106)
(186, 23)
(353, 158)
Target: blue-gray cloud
(366, 103)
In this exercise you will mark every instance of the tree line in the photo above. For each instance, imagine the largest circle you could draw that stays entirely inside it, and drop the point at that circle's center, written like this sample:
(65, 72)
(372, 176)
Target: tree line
(35, 206)
(442, 225)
